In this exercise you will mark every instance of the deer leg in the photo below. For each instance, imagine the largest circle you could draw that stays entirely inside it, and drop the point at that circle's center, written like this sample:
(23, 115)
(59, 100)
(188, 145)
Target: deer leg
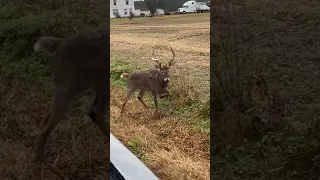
(140, 97)
(97, 112)
(129, 94)
(123, 105)
(164, 95)
(166, 92)
(156, 104)
(58, 110)
(45, 120)
(92, 113)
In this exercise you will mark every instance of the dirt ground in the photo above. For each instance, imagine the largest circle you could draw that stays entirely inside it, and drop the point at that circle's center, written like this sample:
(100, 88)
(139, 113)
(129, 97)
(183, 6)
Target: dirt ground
(170, 146)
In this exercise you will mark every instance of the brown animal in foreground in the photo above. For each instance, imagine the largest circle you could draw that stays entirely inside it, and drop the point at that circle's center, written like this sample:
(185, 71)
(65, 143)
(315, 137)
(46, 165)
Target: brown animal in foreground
(80, 63)
(155, 81)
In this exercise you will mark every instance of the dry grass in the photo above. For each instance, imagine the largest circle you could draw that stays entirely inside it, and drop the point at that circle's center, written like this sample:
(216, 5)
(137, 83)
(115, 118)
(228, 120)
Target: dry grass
(176, 146)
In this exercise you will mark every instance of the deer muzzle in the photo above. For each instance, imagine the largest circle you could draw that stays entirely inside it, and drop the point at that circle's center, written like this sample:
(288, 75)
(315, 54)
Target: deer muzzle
(166, 79)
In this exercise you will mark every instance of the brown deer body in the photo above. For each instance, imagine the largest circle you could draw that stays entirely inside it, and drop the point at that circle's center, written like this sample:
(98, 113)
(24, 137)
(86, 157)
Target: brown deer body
(80, 63)
(155, 81)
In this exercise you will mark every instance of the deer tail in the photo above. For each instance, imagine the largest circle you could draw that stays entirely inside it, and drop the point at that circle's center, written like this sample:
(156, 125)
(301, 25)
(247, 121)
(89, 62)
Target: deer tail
(48, 45)
(124, 75)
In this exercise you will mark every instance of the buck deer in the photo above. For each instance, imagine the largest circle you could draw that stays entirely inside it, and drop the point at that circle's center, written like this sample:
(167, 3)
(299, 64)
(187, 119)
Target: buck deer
(155, 81)
(80, 63)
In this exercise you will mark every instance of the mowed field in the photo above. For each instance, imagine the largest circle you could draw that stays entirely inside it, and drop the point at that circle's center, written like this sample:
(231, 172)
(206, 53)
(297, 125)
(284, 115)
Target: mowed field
(175, 146)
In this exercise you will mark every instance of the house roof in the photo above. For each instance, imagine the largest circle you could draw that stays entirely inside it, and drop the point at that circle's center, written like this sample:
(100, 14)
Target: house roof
(141, 5)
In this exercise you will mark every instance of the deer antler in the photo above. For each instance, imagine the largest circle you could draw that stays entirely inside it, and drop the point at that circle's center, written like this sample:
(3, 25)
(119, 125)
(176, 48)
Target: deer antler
(173, 57)
(155, 59)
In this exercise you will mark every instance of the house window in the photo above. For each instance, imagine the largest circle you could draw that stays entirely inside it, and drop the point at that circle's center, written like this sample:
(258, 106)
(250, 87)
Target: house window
(125, 11)
(127, 2)
(115, 2)
(130, 10)
(115, 11)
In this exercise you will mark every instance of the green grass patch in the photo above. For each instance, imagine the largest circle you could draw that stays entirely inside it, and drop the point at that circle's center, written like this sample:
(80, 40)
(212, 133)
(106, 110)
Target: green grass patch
(196, 115)
(202, 125)
(135, 146)
(116, 69)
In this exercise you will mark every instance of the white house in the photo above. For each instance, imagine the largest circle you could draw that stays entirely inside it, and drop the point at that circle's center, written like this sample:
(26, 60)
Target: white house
(142, 8)
(121, 7)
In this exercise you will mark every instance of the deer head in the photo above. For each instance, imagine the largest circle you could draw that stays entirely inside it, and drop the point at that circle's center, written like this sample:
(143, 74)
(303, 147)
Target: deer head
(164, 70)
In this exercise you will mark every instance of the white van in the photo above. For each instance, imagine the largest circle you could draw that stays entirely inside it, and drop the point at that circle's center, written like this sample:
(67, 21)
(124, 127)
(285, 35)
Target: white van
(194, 7)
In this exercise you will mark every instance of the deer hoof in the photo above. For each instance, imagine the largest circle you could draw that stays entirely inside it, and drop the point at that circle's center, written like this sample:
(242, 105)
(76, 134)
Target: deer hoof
(156, 115)
(39, 157)
(164, 96)
(37, 168)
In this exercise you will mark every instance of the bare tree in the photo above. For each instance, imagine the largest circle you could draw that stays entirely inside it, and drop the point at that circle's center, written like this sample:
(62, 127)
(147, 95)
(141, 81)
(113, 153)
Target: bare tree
(80, 62)
(153, 80)
(152, 5)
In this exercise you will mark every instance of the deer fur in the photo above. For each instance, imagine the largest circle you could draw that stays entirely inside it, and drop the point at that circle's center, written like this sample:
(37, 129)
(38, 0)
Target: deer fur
(80, 63)
(155, 81)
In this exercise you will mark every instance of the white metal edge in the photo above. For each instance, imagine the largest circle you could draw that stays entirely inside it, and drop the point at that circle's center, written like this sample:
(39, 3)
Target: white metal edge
(127, 163)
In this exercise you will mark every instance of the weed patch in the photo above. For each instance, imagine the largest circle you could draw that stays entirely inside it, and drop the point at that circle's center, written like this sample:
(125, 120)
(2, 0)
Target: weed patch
(135, 146)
